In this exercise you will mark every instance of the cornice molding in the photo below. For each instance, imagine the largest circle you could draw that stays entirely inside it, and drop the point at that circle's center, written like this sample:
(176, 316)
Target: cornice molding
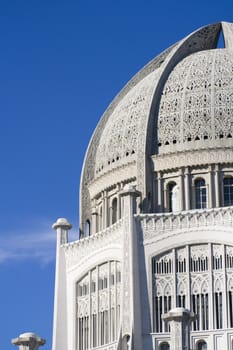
(192, 158)
(155, 225)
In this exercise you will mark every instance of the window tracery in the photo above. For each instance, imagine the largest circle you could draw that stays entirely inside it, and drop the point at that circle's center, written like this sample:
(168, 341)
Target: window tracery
(196, 272)
(98, 306)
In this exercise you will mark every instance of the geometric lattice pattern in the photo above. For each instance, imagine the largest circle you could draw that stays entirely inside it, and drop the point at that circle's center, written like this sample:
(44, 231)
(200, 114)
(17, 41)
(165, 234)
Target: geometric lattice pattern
(120, 138)
(197, 100)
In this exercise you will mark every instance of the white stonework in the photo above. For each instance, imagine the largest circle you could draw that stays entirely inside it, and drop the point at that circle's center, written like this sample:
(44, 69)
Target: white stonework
(28, 341)
(156, 210)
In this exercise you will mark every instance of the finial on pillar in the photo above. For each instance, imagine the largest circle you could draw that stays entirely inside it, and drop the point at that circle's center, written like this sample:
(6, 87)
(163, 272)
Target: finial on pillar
(28, 341)
(180, 320)
(62, 226)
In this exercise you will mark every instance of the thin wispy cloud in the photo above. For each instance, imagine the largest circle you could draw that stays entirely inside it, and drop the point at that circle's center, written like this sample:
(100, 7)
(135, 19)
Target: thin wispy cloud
(28, 244)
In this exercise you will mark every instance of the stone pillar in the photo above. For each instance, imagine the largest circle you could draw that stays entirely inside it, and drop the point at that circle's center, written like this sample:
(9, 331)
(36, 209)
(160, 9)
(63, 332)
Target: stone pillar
(187, 188)
(93, 227)
(181, 191)
(105, 211)
(216, 185)
(62, 226)
(179, 319)
(160, 205)
(131, 308)
(210, 194)
(28, 341)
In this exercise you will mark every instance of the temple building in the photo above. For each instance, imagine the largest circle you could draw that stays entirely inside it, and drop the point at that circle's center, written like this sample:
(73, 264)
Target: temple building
(156, 209)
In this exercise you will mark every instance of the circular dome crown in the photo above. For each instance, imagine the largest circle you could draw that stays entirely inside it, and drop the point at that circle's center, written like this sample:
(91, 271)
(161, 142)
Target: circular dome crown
(196, 108)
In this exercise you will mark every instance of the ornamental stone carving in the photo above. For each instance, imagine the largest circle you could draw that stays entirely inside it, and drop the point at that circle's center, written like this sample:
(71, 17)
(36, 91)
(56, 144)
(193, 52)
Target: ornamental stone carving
(197, 102)
(165, 104)
(154, 224)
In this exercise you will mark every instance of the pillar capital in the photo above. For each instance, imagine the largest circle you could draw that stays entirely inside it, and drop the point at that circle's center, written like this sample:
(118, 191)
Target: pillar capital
(28, 341)
(179, 314)
(180, 320)
(130, 190)
(62, 226)
(62, 223)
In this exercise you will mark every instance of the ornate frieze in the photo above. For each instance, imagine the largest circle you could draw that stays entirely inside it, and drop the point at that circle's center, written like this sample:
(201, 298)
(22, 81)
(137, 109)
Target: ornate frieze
(154, 225)
(195, 157)
(78, 251)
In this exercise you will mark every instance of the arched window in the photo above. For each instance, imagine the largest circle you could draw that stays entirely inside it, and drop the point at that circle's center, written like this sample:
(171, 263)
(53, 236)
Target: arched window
(114, 211)
(200, 194)
(87, 230)
(201, 345)
(164, 346)
(173, 197)
(228, 191)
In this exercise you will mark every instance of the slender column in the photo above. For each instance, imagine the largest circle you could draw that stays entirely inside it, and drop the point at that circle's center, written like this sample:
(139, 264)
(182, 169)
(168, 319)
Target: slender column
(109, 302)
(224, 293)
(60, 336)
(211, 297)
(188, 301)
(174, 297)
(216, 184)
(210, 192)
(110, 211)
(187, 188)
(93, 221)
(105, 210)
(180, 320)
(181, 178)
(200, 312)
(28, 341)
(118, 201)
(116, 327)
(90, 312)
(160, 194)
(131, 308)
(97, 307)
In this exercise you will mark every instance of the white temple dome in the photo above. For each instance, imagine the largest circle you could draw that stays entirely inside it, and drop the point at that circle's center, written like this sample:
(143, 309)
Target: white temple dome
(180, 101)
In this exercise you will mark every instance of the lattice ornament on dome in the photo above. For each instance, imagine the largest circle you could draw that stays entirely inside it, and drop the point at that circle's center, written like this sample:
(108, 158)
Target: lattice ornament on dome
(201, 93)
(121, 133)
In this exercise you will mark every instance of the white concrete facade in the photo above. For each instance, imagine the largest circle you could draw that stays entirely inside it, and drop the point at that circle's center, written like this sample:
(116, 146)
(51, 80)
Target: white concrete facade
(156, 209)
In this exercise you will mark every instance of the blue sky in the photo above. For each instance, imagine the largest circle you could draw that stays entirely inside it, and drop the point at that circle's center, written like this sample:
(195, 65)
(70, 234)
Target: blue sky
(61, 64)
